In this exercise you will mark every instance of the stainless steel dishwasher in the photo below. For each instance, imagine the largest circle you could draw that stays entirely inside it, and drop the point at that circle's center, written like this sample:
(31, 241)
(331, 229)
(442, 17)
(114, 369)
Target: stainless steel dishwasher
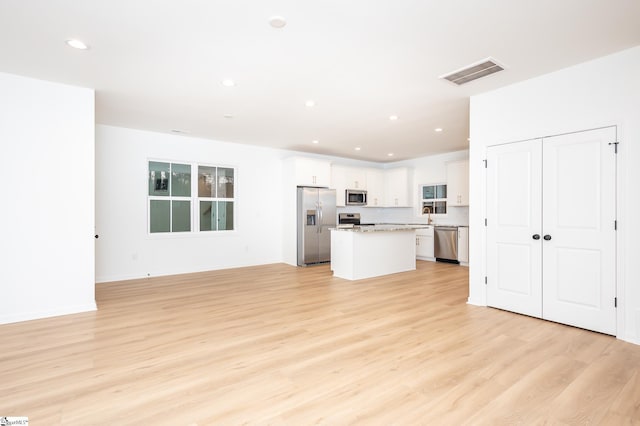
(446, 244)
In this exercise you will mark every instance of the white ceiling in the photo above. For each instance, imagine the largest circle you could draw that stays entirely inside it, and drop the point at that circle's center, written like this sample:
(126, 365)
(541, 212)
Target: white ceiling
(158, 64)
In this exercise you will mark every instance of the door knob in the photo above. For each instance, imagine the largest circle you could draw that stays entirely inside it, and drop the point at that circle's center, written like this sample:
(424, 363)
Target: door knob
(547, 237)
(536, 236)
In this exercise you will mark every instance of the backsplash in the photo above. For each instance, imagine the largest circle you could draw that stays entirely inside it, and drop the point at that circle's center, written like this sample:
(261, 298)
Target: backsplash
(367, 214)
(455, 215)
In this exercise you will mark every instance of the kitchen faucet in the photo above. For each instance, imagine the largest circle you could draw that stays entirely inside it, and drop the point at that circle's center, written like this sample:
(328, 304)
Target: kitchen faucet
(427, 209)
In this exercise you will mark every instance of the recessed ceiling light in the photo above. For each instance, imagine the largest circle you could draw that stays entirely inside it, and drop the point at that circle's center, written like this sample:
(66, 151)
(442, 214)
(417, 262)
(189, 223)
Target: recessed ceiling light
(228, 82)
(393, 117)
(315, 142)
(310, 103)
(228, 116)
(437, 129)
(390, 154)
(277, 22)
(357, 148)
(77, 44)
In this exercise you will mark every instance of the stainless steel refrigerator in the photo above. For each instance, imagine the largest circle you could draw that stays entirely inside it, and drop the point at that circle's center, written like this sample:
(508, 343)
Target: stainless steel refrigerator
(316, 214)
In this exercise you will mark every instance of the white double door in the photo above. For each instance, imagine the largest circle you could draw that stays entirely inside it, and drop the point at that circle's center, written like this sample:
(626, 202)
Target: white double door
(551, 242)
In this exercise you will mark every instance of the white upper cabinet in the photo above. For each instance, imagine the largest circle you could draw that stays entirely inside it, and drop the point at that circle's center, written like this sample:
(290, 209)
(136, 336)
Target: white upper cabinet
(339, 183)
(458, 183)
(397, 187)
(312, 172)
(343, 178)
(375, 188)
(356, 178)
(385, 188)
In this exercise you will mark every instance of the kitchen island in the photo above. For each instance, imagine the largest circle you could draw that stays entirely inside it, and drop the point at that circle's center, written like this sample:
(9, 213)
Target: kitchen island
(371, 251)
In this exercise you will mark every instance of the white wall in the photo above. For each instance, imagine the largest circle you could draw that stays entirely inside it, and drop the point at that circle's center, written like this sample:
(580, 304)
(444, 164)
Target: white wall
(598, 93)
(125, 250)
(427, 170)
(47, 244)
(51, 259)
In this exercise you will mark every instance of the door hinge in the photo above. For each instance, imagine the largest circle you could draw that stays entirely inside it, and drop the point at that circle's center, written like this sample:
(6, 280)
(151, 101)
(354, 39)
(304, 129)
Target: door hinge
(485, 221)
(615, 302)
(485, 280)
(615, 225)
(485, 163)
(615, 146)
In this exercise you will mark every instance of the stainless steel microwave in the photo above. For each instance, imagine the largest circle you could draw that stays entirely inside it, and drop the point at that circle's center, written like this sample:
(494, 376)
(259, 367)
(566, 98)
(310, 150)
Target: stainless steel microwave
(355, 197)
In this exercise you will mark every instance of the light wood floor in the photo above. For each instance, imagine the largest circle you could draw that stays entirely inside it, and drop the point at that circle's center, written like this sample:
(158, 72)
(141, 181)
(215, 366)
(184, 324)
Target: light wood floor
(282, 345)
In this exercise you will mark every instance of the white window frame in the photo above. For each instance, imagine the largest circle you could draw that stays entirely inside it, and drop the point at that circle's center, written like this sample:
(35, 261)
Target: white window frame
(432, 200)
(170, 198)
(196, 210)
(194, 201)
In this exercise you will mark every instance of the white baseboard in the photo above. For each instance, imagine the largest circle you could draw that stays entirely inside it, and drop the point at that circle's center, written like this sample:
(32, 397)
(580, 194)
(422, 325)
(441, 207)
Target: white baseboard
(64, 310)
(101, 279)
(475, 302)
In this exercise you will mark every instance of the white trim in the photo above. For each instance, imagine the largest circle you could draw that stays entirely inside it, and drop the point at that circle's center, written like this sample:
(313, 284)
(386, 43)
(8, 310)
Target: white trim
(126, 277)
(63, 310)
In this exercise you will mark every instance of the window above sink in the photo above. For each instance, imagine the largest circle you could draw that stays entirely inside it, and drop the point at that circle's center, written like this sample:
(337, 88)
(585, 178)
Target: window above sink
(434, 199)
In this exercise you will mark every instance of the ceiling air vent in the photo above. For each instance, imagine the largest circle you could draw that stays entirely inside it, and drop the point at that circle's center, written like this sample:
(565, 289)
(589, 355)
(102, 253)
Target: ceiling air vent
(473, 71)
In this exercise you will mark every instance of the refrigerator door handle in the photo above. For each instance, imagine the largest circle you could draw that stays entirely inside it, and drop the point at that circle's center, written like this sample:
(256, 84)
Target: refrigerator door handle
(320, 221)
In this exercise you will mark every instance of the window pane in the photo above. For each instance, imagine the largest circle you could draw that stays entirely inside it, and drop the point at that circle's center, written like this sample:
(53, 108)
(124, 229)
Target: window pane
(427, 207)
(207, 213)
(159, 216)
(181, 216)
(158, 178)
(225, 215)
(225, 183)
(435, 207)
(441, 207)
(206, 179)
(428, 192)
(441, 191)
(180, 180)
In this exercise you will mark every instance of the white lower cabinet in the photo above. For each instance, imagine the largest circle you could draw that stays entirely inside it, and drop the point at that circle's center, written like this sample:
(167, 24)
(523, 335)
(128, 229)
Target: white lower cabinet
(463, 245)
(424, 244)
